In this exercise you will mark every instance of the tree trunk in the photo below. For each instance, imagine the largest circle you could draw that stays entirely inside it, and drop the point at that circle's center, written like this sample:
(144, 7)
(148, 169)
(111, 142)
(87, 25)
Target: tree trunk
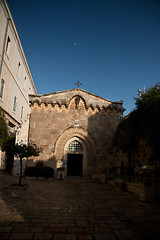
(156, 182)
(20, 173)
(129, 167)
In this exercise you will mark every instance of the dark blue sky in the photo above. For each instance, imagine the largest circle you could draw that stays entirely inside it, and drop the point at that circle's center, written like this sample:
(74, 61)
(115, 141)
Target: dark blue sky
(111, 46)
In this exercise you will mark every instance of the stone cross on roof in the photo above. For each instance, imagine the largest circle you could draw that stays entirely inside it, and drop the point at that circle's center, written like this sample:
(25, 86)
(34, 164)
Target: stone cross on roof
(78, 84)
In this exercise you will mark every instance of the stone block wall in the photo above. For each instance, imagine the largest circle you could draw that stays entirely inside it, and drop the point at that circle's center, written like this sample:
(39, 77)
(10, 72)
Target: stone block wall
(50, 121)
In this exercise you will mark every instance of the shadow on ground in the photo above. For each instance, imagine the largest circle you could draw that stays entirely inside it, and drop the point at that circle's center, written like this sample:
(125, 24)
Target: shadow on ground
(74, 209)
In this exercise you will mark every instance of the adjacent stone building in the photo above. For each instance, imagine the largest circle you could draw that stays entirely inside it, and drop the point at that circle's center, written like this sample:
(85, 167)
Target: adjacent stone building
(75, 129)
(16, 80)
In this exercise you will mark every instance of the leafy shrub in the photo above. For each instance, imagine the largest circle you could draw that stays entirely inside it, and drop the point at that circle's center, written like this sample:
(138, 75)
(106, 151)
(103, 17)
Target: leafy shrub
(39, 172)
(46, 172)
(30, 171)
(40, 164)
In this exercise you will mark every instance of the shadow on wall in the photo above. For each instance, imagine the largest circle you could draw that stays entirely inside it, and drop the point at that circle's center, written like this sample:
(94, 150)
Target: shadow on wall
(102, 126)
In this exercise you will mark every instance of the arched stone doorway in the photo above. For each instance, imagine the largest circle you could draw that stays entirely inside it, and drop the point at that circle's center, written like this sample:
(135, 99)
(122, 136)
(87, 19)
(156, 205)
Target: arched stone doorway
(75, 157)
(65, 155)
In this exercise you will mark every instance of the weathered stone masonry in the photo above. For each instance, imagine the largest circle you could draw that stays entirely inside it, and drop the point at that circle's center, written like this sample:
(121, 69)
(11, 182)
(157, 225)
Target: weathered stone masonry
(58, 119)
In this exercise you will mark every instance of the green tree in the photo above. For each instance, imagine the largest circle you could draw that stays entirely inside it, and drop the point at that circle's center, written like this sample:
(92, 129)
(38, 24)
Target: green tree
(148, 107)
(22, 151)
(126, 138)
(4, 134)
(8, 147)
(142, 125)
(25, 151)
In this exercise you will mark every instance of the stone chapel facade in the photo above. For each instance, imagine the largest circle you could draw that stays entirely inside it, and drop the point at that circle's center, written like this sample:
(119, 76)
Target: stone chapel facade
(75, 128)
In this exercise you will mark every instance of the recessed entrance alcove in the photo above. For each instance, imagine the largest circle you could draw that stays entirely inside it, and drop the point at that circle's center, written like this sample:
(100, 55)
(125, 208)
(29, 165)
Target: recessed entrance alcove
(75, 165)
(75, 159)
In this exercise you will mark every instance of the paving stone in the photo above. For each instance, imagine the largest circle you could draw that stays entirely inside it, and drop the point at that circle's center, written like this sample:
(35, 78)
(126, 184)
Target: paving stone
(102, 230)
(43, 236)
(82, 223)
(118, 234)
(84, 237)
(76, 230)
(118, 226)
(5, 229)
(55, 229)
(61, 210)
(126, 233)
(21, 236)
(36, 229)
(90, 230)
(104, 237)
(21, 229)
(65, 237)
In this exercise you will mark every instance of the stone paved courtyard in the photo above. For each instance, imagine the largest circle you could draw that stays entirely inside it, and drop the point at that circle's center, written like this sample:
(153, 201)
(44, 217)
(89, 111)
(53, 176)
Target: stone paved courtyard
(74, 209)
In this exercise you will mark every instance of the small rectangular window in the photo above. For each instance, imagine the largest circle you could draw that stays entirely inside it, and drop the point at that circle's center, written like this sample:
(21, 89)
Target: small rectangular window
(18, 69)
(22, 112)
(1, 88)
(8, 44)
(25, 80)
(15, 104)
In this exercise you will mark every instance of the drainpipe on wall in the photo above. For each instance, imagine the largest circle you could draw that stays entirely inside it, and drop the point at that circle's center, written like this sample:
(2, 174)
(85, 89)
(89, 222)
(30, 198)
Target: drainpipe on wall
(4, 43)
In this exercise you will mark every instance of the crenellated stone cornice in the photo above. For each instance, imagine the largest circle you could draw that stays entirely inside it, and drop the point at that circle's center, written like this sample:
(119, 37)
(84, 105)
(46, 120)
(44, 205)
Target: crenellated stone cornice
(66, 100)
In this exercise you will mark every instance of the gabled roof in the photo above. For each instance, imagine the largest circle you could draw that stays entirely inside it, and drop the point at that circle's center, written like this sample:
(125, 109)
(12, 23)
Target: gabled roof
(64, 97)
(67, 91)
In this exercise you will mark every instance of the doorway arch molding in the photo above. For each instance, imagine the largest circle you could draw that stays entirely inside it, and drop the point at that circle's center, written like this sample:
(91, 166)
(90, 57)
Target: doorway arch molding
(81, 135)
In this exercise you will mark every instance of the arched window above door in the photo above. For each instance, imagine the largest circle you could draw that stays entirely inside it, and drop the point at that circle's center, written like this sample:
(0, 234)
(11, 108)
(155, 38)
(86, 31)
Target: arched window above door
(75, 146)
